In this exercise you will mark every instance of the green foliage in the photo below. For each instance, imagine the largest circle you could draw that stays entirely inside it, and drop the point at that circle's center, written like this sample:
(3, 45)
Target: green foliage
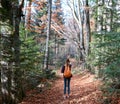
(32, 58)
(104, 59)
(49, 73)
(30, 55)
(105, 55)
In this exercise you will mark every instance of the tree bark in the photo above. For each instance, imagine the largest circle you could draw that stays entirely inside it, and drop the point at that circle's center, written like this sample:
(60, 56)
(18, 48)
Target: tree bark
(87, 25)
(16, 45)
(77, 16)
(12, 88)
(48, 35)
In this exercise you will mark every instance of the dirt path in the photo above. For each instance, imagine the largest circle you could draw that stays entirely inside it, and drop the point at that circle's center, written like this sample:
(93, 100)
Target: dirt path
(84, 90)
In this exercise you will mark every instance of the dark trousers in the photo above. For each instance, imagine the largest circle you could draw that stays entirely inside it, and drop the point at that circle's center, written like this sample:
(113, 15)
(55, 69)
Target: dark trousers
(67, 85)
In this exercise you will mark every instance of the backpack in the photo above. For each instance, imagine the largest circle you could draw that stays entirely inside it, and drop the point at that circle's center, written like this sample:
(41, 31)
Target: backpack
(67, 72)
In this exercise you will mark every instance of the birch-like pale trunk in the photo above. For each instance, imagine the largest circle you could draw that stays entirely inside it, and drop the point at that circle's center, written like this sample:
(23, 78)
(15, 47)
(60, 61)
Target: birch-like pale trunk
(77, 14)
(48, 35)
(99, 16)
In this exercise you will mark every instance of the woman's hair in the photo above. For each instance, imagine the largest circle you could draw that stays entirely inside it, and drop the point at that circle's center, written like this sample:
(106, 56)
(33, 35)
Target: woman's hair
(67, 61)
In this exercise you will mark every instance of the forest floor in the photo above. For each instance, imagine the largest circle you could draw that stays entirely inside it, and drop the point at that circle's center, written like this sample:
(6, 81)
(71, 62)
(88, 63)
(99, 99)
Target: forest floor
(85, 89)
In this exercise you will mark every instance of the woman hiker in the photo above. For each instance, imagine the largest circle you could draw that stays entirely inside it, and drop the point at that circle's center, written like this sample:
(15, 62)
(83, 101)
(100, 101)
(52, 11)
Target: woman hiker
(66, 70)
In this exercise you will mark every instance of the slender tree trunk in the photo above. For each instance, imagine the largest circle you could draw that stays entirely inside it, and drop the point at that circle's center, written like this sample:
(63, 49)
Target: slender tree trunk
(56, 53)
(101, 25)
(78, 17)
(87, 27)
(111, 16)
(100, 16)
(28, 15)
(48, 35)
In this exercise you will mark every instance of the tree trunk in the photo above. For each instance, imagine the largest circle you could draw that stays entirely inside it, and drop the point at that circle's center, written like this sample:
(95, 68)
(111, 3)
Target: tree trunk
(16, 45)
(12, 88)
(87, 27)
(78, 17)
(48, 35)
(6, 84)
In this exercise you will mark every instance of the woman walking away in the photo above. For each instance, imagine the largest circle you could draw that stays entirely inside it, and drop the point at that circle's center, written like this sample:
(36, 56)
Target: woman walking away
(66, 70)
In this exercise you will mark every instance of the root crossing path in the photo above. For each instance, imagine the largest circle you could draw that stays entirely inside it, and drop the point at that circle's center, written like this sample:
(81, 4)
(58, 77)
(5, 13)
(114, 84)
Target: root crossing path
(84, 90)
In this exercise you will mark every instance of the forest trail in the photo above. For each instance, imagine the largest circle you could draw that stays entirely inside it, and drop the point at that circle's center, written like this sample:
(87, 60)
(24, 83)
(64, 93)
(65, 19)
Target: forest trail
(84, 90)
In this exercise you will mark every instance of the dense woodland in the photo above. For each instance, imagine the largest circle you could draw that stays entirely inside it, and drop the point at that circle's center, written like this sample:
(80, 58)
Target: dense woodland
(36, 37)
